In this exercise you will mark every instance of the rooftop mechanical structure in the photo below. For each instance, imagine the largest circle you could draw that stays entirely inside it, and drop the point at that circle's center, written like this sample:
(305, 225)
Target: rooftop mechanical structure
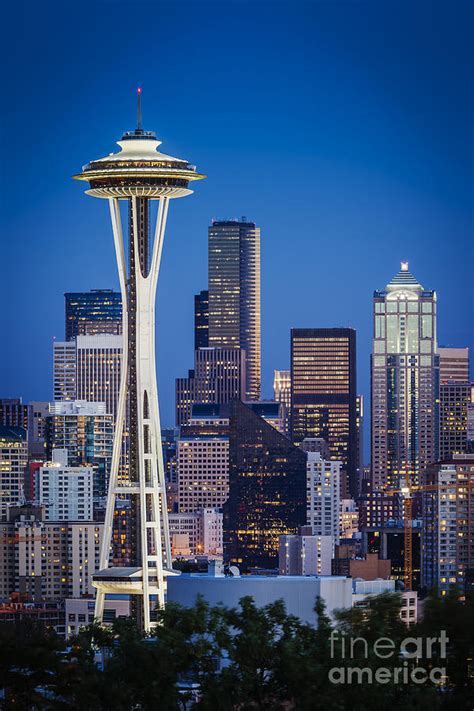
(139, 174)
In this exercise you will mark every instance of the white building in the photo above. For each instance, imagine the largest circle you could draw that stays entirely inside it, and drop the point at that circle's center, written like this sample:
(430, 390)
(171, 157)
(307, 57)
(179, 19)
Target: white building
(299, 593)
(349, 518)
(66, 492)
(80, 612)
(13, 463)
(98, 367)
(363, 589)
(196, 533)
(301, 554)
(88, 368)
(282, 393)
(323, 495)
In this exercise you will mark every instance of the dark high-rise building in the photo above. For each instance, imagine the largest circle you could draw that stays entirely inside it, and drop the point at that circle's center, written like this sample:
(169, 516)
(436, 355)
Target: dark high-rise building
(219, 376)
(234, 293)
(454, 401)
(91, 312)
(267, 489)
(13, 413)
(201, 320)
(323, 395)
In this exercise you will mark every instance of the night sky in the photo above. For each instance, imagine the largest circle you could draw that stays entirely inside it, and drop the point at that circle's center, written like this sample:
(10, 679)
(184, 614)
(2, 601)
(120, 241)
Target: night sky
(343, 129)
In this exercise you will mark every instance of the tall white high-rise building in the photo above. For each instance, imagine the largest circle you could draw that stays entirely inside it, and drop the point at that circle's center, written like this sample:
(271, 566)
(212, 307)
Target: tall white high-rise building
(405, 381)
(98, 368)
(88, 368)
(66, 492)
(323, 478)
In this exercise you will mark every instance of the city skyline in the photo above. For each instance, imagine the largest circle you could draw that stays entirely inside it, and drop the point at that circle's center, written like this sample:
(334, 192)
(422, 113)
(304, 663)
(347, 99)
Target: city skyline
(388, 186)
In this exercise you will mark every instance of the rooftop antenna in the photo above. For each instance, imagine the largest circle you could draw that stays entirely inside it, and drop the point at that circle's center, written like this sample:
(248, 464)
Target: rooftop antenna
(139, 109)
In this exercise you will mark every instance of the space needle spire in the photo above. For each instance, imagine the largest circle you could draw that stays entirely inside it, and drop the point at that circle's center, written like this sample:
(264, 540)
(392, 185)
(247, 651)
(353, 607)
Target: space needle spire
(137, 175)
(139, 109)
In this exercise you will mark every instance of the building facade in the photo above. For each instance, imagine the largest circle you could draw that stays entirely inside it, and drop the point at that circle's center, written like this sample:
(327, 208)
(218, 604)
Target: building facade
(86, 431)
(234, 293)
(323, 394)
(196, 534)
(219, 376)
(92, 312)
(282, 393)
(64, 370)
(98, 370)
(50, 560)
(405, 382)
(448, 524)
(66, 493)
(454, 401)
(203, 462)
(305, 554)
(453, 364)
(13, 465)
(13, 413)
(201, 320)
(323, 511)
(267, 489)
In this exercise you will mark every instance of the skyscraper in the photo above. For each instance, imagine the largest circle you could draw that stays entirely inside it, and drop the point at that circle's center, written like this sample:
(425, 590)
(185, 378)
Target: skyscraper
(323, 395)
(201, 320)
(98, 369)
(323, 494)
(448, 524)
(138, 174)
(64, 370)
(405, 381)
(454, 401)
(92, 312)
(219, 376)
(267, 489)
(234, 293)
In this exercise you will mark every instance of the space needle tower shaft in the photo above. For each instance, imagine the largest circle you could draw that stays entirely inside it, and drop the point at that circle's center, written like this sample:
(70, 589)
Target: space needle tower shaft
(138, 174)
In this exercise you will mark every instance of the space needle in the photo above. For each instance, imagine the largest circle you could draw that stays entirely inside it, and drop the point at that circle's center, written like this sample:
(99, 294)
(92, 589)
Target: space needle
(139, 173)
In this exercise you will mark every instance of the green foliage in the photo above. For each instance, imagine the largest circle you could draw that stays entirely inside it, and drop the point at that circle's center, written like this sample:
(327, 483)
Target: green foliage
(241, 659)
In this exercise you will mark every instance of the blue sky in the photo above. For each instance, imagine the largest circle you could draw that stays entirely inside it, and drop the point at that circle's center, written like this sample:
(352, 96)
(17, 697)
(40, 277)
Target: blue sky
(344, 129)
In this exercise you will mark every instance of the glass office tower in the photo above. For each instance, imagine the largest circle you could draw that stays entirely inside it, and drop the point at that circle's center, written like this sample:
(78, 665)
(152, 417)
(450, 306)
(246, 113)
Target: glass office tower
(323, 395)
(234, 293)
(405, 381)
(92, 312)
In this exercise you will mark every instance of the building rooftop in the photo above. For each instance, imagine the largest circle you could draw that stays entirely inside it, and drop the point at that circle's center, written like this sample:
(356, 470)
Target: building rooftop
(404, 278)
